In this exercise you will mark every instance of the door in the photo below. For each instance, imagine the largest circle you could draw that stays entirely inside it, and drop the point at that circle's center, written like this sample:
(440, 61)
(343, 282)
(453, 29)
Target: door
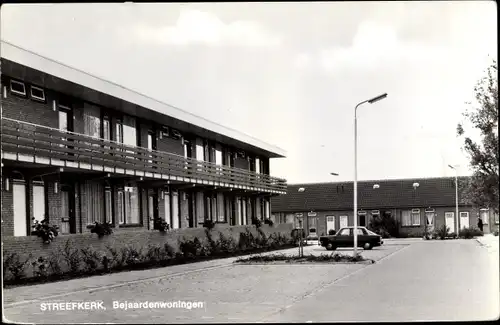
(464, 220)
(188, 152)
(430, 217)
(151, 145)
(313, 226)
(362, 220)
(175, 210)
(330, 223)
(190, 198)
(344, 237)
(239, 212)
(362, 239)
(166, 200)
(19, 203)
(343, 221)
(39, 202)
(152, 209)
(65, 123)
(450, 220)
(68, 225)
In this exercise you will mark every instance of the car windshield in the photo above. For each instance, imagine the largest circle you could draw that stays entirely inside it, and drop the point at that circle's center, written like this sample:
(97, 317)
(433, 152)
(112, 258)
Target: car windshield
(371, 232)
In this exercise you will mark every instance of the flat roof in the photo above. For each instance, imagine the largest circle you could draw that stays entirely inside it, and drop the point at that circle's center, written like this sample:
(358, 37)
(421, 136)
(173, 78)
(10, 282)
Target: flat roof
(33, 60)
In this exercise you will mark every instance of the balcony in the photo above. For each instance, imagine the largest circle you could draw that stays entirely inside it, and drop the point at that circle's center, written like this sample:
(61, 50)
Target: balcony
(39, 144)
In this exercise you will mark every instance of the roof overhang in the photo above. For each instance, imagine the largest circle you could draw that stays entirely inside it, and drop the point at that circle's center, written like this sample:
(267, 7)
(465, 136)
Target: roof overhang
(54, 75)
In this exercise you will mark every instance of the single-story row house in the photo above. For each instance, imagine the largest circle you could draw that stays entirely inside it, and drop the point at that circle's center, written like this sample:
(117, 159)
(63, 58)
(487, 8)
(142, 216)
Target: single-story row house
(414, 203)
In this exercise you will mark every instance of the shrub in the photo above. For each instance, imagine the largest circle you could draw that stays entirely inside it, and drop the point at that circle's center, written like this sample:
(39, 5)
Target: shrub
(45, 231)
(55, 263)
(209, 224)
(331, 232)
(155, 253)
(91, 258)
(269, 222)
(169, 250)
(442, 232)
(385, 225)
(261, 240)
(246, 241)
(469, 233)
(161, 225)
(116, 260)
(101, 229)
(40, 267)
(131, 255)
(16, 266)
(256, 222)
(190, 248)
(226, 244)
(72, 256)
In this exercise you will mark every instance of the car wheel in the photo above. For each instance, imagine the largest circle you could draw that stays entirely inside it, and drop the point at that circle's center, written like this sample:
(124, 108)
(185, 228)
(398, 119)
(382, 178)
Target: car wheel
(367, 246)
(330, 247)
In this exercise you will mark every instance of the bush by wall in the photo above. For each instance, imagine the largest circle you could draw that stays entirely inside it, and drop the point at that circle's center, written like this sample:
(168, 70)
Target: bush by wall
(71, 256)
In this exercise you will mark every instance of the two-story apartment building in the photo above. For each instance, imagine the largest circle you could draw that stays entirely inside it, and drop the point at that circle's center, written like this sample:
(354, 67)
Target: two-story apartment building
(414, 203)
(77, 149)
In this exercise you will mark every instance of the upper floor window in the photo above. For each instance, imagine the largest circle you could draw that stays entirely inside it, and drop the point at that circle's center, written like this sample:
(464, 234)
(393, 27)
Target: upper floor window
(37, 93)
(17, 87)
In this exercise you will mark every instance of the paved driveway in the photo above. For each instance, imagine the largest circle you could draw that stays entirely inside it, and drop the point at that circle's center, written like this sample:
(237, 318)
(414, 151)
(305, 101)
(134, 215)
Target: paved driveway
(412, 280)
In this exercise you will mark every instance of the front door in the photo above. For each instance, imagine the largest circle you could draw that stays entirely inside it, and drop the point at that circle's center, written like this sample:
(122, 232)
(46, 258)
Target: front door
(343, 221)
(450, 220)
(430, 217)
(464, 220)
(313, 222)
(330, 223)
(38, 202)
(153, 213)
(19, 198)
(175, 210)
(68, 225)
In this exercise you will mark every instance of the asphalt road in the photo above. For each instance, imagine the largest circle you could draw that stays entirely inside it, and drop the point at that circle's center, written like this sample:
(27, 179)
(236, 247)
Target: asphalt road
(412, 280)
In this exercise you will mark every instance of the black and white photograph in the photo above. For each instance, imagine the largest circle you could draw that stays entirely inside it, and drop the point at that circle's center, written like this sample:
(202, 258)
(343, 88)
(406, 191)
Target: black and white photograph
(249, 162)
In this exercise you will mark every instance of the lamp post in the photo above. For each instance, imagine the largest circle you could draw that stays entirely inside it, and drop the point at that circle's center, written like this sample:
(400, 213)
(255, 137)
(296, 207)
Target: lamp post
(456, 199)
(301, 250)
(370, 101)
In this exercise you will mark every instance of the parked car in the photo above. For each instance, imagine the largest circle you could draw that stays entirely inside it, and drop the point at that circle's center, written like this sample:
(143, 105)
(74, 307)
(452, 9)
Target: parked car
(345, 238)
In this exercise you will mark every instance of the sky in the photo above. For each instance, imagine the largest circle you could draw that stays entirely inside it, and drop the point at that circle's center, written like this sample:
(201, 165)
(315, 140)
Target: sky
(291, 74)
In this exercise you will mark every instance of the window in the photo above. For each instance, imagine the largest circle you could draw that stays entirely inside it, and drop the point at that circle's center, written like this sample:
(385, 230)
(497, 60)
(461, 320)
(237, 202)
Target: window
(415, 217)
(360, 232)
(343, 221)
(405, 218)
(93, 202)
(106, 128)
(119, 131)
(121, 205)
(37, 94)
(345, 232)
(484, 214)
(17, 87)
(131, 194)
(108, 202)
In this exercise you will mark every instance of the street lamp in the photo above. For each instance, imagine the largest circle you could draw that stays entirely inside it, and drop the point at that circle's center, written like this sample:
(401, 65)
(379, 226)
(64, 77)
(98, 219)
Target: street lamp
(355, 216)
(334, 174)
(456, 198)
(301, 250)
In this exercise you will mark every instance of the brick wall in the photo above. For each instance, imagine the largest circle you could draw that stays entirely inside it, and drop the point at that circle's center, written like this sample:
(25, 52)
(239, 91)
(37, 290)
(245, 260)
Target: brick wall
(136, 238)
(7, 210)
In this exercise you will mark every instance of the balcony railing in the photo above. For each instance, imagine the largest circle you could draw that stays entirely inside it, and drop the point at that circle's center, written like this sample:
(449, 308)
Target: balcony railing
(40, 141)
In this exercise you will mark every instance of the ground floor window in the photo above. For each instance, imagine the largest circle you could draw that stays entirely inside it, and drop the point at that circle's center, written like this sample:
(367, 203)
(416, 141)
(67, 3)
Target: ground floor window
(410, 218)
(128, 205)
(93, 203)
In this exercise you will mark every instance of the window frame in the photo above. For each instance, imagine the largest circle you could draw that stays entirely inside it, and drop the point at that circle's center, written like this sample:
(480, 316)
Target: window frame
(36, 98)
(16, 92)
(414, 212)
(487, 211)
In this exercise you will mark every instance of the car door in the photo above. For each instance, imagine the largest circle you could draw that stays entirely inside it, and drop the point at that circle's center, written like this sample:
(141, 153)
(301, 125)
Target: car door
(344, 237)
(362, 237)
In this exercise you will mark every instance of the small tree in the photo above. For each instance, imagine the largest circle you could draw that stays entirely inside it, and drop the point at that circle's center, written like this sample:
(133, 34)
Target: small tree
(481, 190)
